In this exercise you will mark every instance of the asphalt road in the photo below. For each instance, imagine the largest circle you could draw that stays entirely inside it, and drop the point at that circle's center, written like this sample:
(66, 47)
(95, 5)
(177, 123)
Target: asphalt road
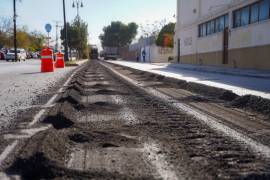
(21, 83)
(111, 122)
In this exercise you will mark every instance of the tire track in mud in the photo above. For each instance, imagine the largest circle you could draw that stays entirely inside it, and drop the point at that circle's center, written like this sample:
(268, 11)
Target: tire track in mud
(105, 128)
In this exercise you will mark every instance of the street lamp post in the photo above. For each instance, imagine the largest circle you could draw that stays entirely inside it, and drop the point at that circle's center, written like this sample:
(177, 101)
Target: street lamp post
(65, 29)
(15, 29)
(77, 4)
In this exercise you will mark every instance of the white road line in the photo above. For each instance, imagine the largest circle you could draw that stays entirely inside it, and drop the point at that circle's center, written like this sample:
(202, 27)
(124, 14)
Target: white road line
(152, 153)
(256, 147)
(52, 99)
(7, 151)
(37, 117)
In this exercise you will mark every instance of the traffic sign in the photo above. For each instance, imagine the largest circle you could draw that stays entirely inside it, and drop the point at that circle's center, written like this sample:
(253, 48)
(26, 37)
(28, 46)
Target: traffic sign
(48, 27)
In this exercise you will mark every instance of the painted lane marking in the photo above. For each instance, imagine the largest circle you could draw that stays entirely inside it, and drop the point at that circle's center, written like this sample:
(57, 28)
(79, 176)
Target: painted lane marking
(26, 133)
(11, 147)
(38, 116)
(7, 151)
(152, 153)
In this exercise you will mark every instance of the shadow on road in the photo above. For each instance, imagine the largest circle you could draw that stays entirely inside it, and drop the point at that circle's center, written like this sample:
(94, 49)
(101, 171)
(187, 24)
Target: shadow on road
(31, 73)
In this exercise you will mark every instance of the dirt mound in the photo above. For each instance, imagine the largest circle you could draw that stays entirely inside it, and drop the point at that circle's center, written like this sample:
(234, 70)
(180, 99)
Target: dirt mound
(203, 89)
(254, 103)
(106, 92)
(109, 92)
(79, 138)
(68, 99)
(109, 145)
(196, 98)
(35, 167)
(228, 96)
(102, 104)
(59, 121)
(99, 85)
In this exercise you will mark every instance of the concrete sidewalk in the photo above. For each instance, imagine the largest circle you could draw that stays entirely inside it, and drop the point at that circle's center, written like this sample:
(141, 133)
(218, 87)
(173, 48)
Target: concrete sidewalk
(241, 82)
(220, 70)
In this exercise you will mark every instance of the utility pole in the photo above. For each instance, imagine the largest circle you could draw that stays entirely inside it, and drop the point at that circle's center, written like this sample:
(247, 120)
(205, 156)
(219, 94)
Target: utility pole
(65, 29)
(57, 37)
(15, 29)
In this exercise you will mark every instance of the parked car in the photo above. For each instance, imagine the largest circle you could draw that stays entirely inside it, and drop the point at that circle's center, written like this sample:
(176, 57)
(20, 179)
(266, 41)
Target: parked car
(2, 55)
(34, 55)
(28, 55)
(21, 55)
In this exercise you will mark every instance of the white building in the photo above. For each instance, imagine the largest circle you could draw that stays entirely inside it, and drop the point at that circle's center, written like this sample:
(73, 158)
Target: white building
(231, 33)
(153, 53)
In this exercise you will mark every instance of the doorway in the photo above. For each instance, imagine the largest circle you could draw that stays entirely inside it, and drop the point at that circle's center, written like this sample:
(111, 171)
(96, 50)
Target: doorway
(226, 46)
(178, 50)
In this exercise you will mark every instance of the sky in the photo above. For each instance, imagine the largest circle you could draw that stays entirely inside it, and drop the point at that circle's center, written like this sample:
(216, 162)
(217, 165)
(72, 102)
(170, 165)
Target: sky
(97, 13)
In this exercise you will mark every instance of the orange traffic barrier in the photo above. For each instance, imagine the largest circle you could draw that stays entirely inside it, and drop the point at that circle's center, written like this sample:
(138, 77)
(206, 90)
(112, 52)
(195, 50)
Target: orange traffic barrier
(60, 63)
(47, 60)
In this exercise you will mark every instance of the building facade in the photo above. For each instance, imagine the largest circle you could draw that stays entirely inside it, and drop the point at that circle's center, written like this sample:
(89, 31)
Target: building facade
(229, 33)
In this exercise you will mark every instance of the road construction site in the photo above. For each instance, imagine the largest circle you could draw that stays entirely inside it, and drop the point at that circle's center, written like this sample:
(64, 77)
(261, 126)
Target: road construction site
(112, 122)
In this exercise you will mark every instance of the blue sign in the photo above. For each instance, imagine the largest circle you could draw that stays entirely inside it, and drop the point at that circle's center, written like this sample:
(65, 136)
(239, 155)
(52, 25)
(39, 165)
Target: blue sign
(48, 28)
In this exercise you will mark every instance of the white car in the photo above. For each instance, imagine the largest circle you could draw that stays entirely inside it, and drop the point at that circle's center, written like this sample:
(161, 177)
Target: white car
(21, 55)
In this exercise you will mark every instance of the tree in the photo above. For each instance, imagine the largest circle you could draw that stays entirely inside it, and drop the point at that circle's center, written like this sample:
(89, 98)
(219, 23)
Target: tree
(37, 40)
(151, 29)
(118, 34)
(168, 33)
(5, 30)
(23, 39)
(31, 41)
(77, 37)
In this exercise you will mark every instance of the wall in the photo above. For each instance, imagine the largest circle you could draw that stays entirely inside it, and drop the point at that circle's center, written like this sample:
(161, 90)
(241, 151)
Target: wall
(257, 34)
(155, 54)
(208, 50)
(131, 55)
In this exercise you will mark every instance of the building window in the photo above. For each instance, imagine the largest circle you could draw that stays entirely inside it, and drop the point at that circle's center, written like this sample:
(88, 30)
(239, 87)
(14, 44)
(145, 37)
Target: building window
(208, 29)
(214, 26)
(253, 13)
(220, 24)
(226, 21)
(204, 29)
(245, 16)
(264, 10)
(237, 18)
(201, 30)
